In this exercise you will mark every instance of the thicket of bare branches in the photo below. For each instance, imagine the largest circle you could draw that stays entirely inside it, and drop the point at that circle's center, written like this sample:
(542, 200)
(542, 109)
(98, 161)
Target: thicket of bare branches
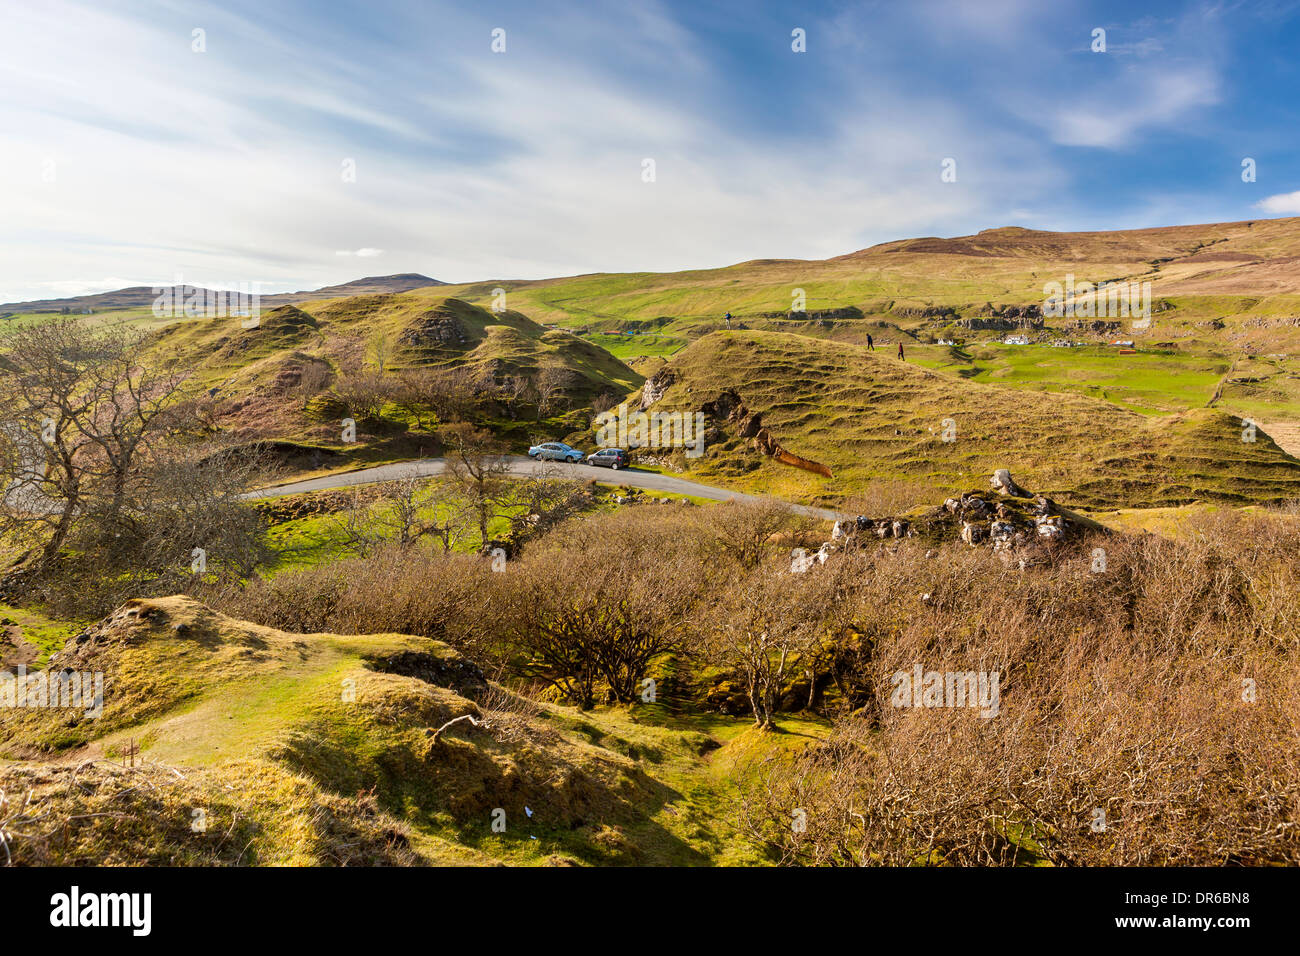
(597, 613)
(1148, 713)
(110, 489)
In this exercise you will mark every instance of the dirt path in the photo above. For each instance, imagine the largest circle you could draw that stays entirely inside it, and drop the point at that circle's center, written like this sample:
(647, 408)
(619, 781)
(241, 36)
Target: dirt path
(16, 649)
(1286, 434)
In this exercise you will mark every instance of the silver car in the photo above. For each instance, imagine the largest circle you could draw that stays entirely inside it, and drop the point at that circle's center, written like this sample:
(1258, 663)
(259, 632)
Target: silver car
(555, 451)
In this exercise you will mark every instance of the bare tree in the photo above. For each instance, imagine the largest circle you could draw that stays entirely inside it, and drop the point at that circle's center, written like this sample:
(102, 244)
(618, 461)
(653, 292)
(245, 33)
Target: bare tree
(404, 512)
(379, 349)
(599, 615)
(83, 407)
(365, 392)
(744, 530)
(552, 382)
(447, 393)
(770, 626)
(313, 379)
(513, 392)
(477, 468)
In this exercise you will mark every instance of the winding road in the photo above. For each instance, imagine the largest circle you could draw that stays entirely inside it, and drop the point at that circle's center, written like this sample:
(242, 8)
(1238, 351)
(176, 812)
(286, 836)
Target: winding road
(521, 467)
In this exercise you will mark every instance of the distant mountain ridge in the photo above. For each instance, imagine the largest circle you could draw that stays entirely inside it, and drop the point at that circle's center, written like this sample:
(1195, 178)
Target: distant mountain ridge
(143, 295)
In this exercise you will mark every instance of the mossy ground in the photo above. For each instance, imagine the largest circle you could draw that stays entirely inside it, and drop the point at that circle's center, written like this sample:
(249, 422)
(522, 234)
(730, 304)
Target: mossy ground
(303, 749)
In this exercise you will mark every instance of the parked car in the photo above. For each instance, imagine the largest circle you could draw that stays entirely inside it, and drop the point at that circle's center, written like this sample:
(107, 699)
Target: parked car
(615, 458)
(555, 451)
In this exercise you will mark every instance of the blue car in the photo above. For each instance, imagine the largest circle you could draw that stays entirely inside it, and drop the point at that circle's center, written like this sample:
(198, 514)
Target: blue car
(555, 451)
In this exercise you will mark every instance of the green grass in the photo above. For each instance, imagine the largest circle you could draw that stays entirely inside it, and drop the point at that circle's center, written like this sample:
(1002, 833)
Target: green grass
(319, 539)
(47, 633)
(252, 707)
(1151, 381)
(636, 346)
(870, 417)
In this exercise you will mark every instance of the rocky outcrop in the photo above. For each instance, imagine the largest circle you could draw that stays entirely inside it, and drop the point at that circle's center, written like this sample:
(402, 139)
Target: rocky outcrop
(656, 386)
(443, 667)
(434, 330)
(1029, 315)
(846, 312)
(729, 408)
(1091, 326)
(925, 312)
(1012, 522)
(1004, 484)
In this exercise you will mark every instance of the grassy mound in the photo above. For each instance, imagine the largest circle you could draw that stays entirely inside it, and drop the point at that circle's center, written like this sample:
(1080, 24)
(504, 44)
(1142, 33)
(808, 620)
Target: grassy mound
(325, 748)
(870, 417)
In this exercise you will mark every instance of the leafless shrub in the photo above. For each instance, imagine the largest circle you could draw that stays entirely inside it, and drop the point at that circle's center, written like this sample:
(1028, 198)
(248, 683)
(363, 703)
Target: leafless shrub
(449, 394)
(1147, 712)
(393, 590)
(365, 392)
(743, 531)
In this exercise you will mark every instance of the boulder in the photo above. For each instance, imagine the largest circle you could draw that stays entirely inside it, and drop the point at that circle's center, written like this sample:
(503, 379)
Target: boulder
(1003, 483)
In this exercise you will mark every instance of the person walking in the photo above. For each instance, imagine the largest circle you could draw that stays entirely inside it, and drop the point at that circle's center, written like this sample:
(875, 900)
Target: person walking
(900, 351)
(870, 344)
(728, 318)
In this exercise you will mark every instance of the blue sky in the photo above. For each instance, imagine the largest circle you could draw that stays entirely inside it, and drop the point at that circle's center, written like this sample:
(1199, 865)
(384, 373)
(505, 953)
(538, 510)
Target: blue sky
(129, 158)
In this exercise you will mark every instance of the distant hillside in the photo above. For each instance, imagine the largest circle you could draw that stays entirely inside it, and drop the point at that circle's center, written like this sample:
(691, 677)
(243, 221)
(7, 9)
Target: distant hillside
(143, 296)
(1244, 275)
(402, 282)
(867, 416)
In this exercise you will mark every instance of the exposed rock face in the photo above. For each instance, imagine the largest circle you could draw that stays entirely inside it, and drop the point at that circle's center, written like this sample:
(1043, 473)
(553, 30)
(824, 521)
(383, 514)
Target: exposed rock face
(1023, 313)
(434, 330)
(979, 325)
(1094, 326)
(1004, 318)
(656, 385)
(1007, 523)
(927, 312)
(847, 312)
(879, 527)
(447, 669)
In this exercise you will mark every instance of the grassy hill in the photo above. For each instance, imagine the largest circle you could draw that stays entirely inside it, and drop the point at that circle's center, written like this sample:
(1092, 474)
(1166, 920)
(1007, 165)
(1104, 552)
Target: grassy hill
(253, 372)
(142, 297)
(419, 330)
(1220, 347)
(320, 749)
(868, 416)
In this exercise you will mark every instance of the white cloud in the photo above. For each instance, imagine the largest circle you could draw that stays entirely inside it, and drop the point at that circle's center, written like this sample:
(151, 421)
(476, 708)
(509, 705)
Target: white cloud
(1117, 113)
(1280, 205)
(475, 166)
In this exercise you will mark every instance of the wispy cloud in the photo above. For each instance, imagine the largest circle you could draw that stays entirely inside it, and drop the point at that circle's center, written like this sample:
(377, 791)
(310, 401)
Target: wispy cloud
(1283, 204)
(305, 138)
